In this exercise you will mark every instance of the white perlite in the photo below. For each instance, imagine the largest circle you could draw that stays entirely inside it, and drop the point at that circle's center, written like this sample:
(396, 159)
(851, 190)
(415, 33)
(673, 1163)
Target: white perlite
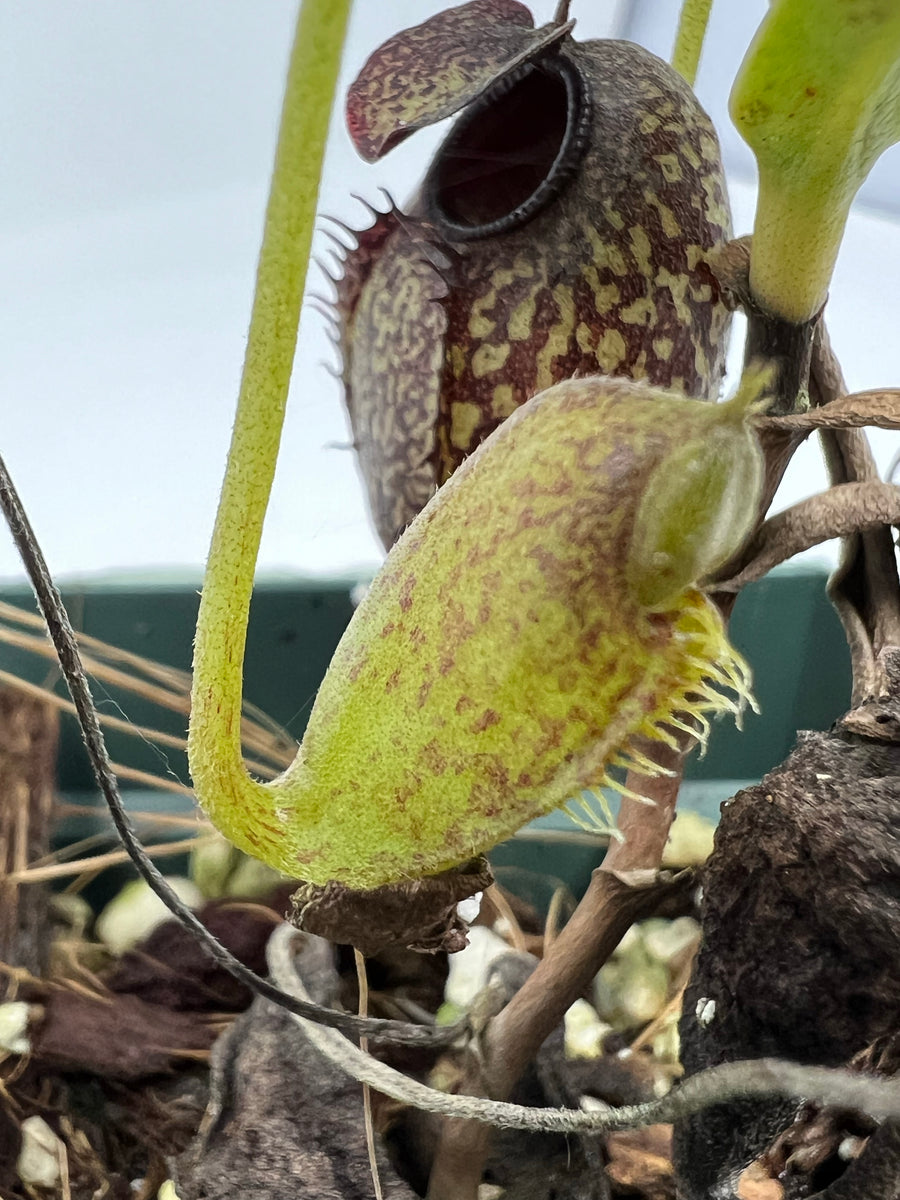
(38, 1163)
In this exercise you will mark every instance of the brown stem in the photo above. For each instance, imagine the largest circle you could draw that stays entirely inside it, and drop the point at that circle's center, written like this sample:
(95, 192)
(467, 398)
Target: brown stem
(609, 908)
(879, 407)
(789, 348)
(843, 511)
(865, 589)
(622, 890)
(645, 827)
(731, 264)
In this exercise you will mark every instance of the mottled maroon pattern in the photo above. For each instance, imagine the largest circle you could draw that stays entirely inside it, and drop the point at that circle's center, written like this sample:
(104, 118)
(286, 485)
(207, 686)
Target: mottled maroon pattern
(442, 340)
(431, 71)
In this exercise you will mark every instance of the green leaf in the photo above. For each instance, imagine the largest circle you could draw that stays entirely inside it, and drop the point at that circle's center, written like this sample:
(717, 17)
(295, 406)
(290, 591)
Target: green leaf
(817, 99)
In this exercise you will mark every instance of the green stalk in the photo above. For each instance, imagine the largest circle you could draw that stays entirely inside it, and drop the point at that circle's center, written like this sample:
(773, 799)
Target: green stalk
(817, 100)
(790, 276)
(235, 802)
(689, 39)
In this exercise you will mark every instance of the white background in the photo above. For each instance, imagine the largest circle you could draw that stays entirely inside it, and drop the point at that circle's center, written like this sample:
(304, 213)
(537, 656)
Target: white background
(136, 140)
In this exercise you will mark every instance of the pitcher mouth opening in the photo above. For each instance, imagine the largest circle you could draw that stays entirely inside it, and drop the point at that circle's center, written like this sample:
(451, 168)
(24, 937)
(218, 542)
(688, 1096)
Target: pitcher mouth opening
(511, 153)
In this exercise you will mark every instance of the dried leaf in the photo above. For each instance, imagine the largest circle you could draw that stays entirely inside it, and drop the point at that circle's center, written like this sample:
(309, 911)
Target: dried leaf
(116, 1037)
(282, 1124)
(420, 914)
(755, 1183)
(640, 1160)
(171, 968)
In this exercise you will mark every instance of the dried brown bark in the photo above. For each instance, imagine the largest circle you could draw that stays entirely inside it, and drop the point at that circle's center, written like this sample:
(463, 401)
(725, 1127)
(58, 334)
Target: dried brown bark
(801, 940)
(282, 1122)
(28, 741)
